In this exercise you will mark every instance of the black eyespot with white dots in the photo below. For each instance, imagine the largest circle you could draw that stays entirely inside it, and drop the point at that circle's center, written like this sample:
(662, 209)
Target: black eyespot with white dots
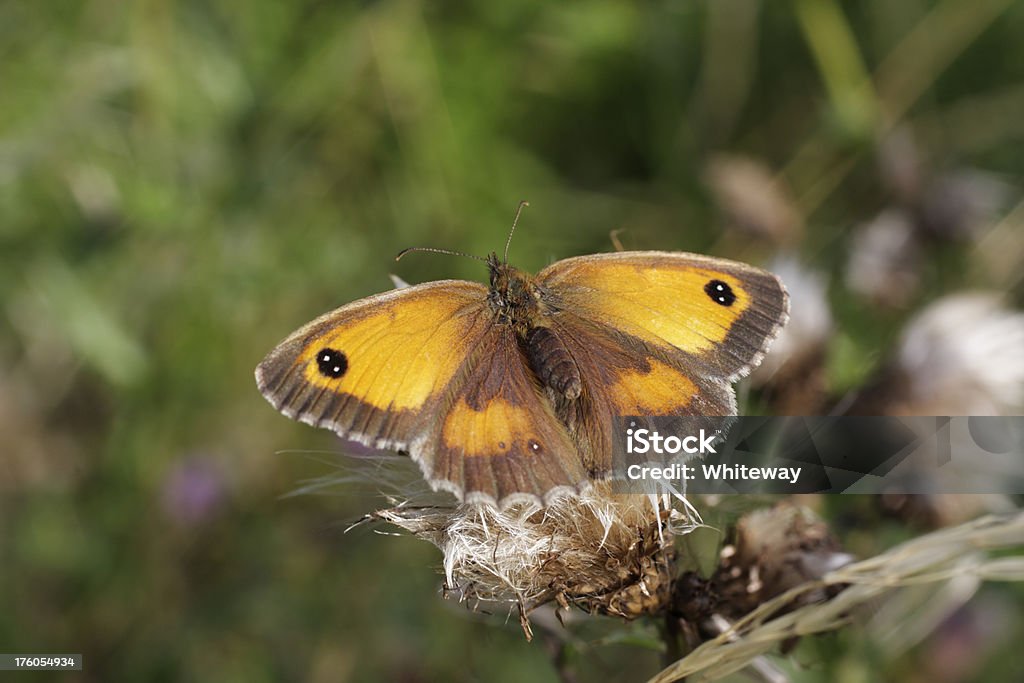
(332, 363)
(720, 292)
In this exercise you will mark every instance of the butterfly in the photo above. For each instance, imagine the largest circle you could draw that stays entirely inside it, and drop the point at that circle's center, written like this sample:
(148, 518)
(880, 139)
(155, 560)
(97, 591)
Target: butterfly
(510, 392)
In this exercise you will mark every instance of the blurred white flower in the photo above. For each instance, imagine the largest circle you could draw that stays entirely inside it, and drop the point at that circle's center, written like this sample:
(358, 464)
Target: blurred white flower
(810, 319)
(884, 260)
(951, 204)
(962, 355)
(900, 165)
(963, 203)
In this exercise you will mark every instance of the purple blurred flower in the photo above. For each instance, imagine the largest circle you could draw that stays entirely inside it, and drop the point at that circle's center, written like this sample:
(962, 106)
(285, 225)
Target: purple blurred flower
(193, 491)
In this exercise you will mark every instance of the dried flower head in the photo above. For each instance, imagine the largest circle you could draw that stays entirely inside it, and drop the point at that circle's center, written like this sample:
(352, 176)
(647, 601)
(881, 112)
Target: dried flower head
(810, 319)
(793, 370)
(770, 551)
(962, 203)
(885, 260)
(753, 199)
(950, 204)
(945, 359)
(607, 554)
(900, 580)
(944, 365)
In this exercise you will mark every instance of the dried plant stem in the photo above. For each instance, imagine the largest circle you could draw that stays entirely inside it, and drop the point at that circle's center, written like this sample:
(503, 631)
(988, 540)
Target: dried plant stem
(937, 557)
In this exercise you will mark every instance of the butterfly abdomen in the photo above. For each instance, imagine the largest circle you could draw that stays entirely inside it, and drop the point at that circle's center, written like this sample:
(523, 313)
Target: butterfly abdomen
(552, 362)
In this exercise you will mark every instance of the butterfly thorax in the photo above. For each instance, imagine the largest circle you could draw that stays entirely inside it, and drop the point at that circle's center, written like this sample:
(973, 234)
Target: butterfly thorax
(514, 297)
(519, 302)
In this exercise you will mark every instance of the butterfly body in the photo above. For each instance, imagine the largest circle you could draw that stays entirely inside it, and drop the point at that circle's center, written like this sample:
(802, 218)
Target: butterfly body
(518, 301)
(512, 392)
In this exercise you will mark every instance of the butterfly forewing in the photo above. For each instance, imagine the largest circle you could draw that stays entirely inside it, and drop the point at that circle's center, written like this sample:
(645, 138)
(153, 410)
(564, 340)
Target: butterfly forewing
(373, 370)
(714, 316)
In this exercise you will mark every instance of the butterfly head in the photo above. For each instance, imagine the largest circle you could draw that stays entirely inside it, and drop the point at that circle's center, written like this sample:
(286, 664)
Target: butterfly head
(514, 297)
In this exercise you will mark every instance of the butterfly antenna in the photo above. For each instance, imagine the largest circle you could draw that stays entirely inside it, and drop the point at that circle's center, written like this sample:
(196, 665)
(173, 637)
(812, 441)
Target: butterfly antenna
(515, 221)
(432, 250)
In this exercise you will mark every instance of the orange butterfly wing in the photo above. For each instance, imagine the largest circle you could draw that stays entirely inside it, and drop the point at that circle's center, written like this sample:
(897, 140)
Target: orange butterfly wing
(394, 354)
(430, 371)
(720, 315)
(426, 371)
(657, 334)
(501, 436)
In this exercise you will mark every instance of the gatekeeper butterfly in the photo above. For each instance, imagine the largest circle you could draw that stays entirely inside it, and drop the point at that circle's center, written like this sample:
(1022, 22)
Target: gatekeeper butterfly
(510, 392)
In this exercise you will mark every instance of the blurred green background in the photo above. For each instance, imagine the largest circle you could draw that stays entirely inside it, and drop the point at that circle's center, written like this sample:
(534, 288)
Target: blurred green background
(184, 183)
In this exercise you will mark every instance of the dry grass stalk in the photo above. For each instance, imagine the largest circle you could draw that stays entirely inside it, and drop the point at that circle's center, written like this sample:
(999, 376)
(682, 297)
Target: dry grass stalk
(934, 559)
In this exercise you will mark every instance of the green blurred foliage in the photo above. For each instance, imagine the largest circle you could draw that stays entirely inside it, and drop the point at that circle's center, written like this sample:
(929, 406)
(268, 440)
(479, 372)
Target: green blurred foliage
(183, 183)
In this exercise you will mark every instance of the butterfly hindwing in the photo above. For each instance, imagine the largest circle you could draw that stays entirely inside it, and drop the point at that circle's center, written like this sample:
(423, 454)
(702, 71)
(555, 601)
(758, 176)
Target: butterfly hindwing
(500, 436)
(624, 376)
